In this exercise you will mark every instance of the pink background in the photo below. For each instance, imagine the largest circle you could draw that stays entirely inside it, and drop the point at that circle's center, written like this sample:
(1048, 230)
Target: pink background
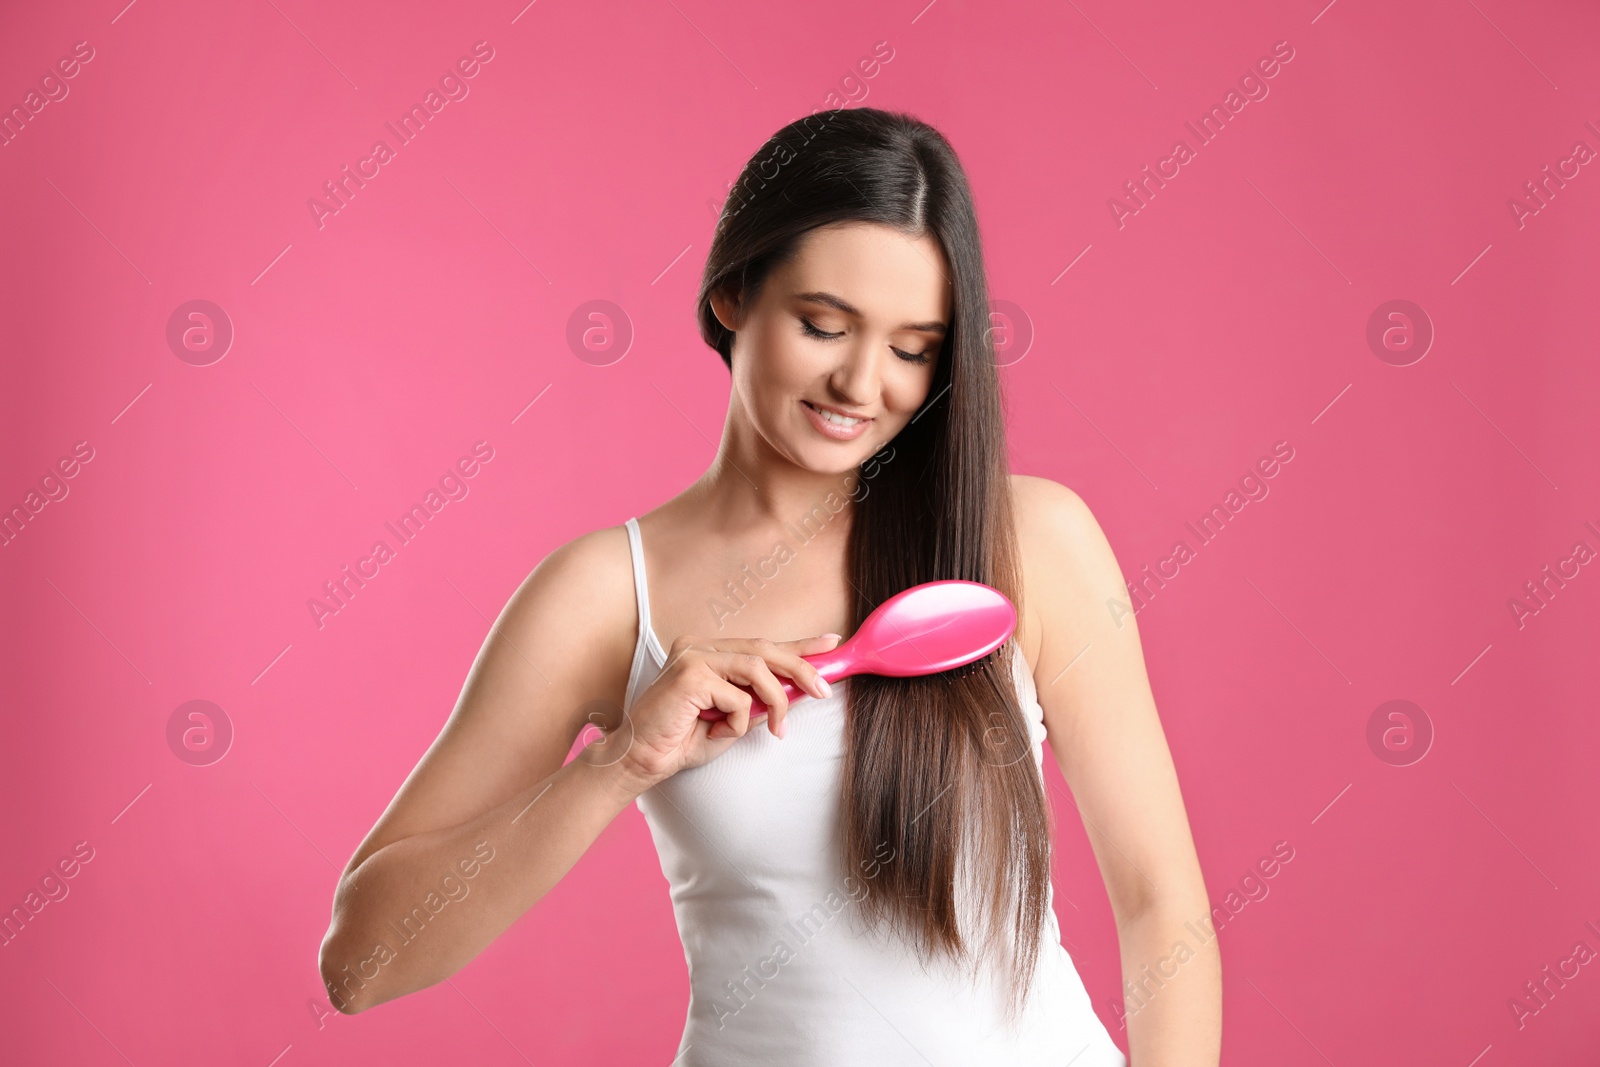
(587, 163)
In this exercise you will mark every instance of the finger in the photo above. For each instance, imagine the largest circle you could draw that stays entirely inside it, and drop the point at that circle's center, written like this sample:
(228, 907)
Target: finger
(793, 664)
(728, 698)
(720, 730)
(785, 659)
(722, 727)
(751, 669)
(778, 723)
(807, 645)
(760, 676)
(788, 660)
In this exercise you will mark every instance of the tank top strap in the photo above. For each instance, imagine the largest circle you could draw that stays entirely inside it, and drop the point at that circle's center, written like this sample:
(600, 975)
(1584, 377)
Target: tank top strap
(641, 588)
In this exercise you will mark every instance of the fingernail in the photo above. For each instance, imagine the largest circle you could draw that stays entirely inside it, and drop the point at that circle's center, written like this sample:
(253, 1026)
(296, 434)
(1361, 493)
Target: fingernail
(835, 636)
(782, 729)
(822, 684)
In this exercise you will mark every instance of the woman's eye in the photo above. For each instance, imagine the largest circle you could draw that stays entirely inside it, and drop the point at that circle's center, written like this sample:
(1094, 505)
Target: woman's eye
(811, 330)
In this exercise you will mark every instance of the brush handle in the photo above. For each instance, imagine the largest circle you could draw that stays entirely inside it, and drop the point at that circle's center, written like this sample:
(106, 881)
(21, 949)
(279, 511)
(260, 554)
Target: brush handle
(834, 664)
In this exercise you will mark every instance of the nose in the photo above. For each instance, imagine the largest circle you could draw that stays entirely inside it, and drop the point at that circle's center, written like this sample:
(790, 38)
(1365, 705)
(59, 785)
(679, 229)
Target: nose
(857, 379)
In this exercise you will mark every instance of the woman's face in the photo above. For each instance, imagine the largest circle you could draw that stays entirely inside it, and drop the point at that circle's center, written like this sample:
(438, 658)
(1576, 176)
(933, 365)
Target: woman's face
(853, 324)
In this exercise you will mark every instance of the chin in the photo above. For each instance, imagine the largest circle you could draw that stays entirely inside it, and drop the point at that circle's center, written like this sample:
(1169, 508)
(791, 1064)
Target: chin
(837, 464)
(835, 459)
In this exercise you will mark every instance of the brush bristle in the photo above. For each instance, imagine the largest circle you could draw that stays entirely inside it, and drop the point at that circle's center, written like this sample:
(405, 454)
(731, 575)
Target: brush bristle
(969, 669)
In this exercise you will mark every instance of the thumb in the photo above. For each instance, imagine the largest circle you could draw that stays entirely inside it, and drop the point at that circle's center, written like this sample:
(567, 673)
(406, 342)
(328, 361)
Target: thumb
(807, 646)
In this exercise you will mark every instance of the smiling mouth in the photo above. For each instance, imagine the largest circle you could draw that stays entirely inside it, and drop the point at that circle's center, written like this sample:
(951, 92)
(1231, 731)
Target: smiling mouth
(834, 418)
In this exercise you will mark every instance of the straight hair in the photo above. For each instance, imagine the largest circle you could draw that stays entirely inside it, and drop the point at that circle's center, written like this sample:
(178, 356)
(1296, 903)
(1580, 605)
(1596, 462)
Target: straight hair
(939, 768)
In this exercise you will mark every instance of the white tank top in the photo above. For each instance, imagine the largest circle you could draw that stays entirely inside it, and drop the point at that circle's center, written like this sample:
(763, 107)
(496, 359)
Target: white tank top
(780, 972)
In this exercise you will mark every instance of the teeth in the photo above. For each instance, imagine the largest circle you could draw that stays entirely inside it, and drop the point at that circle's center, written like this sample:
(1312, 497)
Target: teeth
(837, 420)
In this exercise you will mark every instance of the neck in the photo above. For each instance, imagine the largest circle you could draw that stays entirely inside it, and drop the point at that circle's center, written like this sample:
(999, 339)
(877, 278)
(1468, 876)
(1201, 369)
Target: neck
(750, 485)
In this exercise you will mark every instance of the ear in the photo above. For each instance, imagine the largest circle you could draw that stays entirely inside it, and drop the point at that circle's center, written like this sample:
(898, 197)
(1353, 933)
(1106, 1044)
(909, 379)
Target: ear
(725, 306)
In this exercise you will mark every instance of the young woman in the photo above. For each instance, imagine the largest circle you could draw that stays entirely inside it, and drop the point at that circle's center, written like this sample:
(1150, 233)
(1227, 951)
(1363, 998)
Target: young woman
(864, 875)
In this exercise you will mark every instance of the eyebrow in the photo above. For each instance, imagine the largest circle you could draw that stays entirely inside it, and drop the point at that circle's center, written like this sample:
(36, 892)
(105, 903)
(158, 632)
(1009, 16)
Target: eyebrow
(832, 301)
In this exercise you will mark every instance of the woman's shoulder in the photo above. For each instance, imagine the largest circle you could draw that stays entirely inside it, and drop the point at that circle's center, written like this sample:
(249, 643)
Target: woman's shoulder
(597, 561)
(1068, 568)
(1048, 513)
(1058, 532)
(580, 596)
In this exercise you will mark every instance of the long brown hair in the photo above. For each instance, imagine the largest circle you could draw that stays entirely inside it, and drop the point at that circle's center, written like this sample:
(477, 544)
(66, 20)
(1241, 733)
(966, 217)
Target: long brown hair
(939, 768)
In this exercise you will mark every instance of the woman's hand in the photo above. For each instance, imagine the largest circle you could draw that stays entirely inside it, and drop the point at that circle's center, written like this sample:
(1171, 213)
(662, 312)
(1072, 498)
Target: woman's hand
(668, 734)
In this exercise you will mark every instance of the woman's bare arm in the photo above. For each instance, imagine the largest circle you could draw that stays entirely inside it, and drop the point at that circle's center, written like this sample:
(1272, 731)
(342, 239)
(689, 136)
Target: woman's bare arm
(490, 819)
(1107, 739)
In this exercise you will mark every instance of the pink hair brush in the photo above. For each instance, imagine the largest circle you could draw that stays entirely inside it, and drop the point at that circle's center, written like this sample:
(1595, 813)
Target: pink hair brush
(929, 628)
